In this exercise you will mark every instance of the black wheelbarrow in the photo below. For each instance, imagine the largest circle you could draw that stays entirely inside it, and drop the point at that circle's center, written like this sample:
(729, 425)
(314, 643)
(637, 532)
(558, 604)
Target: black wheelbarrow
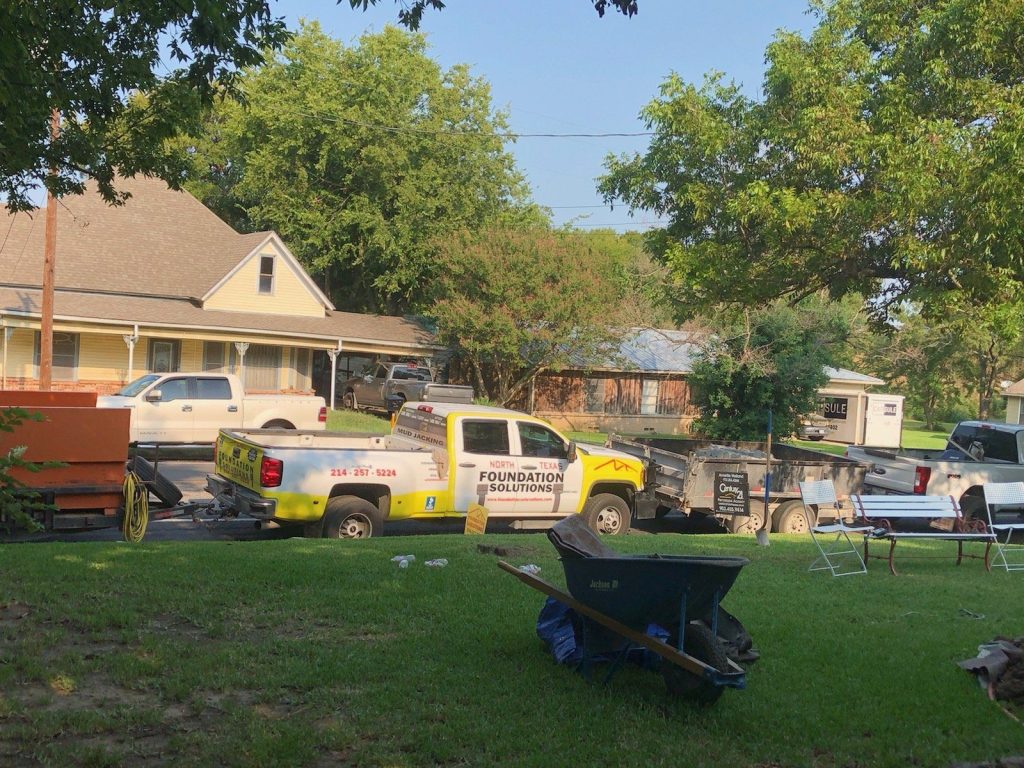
(680, 593)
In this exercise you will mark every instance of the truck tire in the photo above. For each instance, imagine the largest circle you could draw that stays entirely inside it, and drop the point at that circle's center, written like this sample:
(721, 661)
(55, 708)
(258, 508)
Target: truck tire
(349, 517)
(608, 514)
(790, 517)
(348, 400)
(751, 524)
(700, 642)
(156, 483)
(278, 424)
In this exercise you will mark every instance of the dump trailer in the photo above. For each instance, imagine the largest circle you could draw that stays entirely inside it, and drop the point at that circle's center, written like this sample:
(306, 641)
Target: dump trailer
(91, 445)
(726, 480)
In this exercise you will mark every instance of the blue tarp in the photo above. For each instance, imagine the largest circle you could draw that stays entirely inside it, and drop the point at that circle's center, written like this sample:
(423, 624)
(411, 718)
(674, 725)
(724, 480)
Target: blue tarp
(560, 627)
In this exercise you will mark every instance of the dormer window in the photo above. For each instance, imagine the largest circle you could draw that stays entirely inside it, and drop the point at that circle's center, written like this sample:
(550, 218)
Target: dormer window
(266, 274)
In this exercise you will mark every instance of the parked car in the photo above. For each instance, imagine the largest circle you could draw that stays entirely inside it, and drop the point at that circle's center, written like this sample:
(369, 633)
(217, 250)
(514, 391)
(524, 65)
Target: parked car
(192, 408)
(386, 386)
(809, 429)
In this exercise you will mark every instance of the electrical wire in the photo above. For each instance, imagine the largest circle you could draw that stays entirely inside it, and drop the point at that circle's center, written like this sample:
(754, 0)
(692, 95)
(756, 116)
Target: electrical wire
(136, 508)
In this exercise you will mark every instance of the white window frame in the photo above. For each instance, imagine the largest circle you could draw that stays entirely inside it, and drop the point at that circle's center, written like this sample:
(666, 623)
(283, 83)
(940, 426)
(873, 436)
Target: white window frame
(261, 274)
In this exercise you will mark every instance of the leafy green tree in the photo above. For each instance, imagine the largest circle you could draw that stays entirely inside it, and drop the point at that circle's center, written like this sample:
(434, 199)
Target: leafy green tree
(361, 205)
(769, 359)
(513, 303)
(883, 158)
(923, 360)
(17, 502)
(87, 58)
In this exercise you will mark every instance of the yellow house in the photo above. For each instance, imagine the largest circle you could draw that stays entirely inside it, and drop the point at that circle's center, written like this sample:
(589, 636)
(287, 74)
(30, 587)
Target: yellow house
(162, 284)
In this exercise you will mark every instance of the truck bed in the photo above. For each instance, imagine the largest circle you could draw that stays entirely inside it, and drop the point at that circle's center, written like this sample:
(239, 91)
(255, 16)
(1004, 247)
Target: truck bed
(315, 439)
(684, 469)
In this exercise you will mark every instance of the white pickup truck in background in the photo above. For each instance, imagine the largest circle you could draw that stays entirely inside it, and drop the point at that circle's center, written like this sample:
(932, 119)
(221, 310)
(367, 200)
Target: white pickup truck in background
(976, 452)
(192, 408)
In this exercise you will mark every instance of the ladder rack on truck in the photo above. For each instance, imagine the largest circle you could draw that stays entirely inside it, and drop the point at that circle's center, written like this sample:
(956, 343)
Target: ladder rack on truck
(683, 474)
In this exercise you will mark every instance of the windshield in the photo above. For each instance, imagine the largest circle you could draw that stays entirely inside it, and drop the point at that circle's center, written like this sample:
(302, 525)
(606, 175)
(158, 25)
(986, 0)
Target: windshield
(131, 390)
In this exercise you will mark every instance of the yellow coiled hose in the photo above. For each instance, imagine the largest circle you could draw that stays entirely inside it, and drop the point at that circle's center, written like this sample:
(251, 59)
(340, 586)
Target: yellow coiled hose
(136, 508)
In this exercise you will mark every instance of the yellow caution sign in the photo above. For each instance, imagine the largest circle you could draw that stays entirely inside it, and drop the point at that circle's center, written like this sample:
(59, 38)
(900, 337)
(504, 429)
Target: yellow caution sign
(476, 519)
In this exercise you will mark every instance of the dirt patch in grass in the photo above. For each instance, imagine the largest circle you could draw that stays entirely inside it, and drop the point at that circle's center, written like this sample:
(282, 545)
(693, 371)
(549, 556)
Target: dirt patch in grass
(505, 551)
(13, 612)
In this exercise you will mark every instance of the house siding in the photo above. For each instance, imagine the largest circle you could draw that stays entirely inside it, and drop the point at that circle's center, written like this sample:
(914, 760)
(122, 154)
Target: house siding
(562, 399)
(290, 296)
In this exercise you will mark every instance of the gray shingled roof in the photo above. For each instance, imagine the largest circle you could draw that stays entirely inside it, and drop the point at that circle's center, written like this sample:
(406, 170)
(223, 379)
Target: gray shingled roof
(657, 350)
(159, 243)
(181, 313)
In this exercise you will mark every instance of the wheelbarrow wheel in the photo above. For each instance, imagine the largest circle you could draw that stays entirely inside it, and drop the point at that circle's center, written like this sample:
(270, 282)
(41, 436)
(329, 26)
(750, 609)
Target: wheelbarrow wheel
(701, 643)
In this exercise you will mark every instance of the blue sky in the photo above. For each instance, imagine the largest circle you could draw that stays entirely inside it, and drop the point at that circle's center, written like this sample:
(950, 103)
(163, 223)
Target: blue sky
(558, 68)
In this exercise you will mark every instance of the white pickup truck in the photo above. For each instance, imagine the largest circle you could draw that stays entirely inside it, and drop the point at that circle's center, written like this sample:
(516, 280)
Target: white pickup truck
(192, 408)
(440, 460)
(976, 452)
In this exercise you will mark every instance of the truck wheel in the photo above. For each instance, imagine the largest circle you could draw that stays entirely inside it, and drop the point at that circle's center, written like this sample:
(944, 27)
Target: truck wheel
(278, 424)
(350, 518)
(607, 513)
(751, 524)
(791, 517)
(700, 642)
(348, 400)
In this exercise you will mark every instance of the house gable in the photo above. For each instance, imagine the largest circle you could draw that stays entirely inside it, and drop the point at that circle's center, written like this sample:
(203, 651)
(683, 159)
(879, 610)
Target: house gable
(269, 280)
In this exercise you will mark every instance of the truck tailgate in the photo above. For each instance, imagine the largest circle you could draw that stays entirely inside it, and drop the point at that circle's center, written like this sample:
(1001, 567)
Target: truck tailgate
(889, 471)
(238, 461)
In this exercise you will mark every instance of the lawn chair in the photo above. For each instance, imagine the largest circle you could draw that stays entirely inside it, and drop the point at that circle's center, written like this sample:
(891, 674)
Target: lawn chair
(1005, 495)
(839, 556)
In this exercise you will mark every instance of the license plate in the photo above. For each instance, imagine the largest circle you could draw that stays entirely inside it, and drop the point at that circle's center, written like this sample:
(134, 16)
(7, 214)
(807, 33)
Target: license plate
(239, 462)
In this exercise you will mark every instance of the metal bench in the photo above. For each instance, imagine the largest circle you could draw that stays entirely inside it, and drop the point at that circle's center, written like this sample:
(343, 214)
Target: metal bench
(883, 511)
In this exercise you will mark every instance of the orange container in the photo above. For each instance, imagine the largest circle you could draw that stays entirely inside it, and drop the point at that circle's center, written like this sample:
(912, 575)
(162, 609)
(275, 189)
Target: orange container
(92, 443)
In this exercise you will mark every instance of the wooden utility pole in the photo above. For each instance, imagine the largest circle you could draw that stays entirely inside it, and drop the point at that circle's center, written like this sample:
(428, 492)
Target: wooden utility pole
(49, 261)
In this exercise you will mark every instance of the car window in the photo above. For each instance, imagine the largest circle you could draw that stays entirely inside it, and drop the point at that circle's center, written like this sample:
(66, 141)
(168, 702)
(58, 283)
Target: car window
(489, 437)
(213, 389)
(173, 389)
(986, 444)
(380, 372)
(407, 373)
(540, 441)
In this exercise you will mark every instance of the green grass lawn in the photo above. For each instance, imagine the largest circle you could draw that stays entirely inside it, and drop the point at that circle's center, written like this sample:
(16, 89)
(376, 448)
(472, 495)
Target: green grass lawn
(357, 421)
(311, 652)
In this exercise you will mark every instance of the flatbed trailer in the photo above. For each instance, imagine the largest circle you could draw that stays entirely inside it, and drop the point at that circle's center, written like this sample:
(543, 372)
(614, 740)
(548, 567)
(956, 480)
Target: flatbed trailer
(683, 473)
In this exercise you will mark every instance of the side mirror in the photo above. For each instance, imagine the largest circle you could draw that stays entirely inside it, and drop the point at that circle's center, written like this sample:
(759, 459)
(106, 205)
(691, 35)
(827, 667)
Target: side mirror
(570, 454)
(154, 396)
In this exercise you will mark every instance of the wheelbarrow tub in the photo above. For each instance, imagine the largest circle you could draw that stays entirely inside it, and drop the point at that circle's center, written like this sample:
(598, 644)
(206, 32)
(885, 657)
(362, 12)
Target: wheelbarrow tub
(637, 591)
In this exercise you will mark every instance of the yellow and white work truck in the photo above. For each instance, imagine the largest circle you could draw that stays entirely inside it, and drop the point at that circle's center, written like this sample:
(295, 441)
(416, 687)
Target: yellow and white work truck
(440, 460)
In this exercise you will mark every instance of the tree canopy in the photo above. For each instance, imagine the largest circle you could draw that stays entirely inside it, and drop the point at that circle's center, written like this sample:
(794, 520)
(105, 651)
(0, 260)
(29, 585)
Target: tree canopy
(361, 158)
(89, 60)
(769, 359)
(883, 158)
(513, 303)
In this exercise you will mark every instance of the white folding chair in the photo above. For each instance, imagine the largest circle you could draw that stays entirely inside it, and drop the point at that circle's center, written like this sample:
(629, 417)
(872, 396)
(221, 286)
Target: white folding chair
(838, 555)
(1008, 556)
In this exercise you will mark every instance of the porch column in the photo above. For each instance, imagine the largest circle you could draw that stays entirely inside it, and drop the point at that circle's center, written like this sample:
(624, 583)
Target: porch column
(241, 347)
(8, 332)
(130, 339)
(333, 354)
